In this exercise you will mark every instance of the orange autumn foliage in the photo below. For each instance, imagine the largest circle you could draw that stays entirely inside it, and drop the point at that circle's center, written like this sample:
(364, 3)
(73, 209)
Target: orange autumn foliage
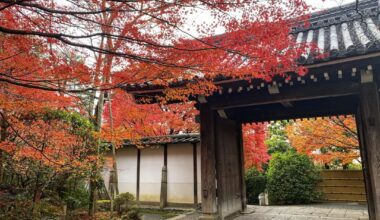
(52, 142)
(51, 51)
(133, 121)
(326, 140)
(140, 41)
(25, 132)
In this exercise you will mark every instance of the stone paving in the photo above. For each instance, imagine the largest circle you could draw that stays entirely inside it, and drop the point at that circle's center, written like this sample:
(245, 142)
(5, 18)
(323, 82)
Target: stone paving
(151, 217)
(330, 211)
(308, 212)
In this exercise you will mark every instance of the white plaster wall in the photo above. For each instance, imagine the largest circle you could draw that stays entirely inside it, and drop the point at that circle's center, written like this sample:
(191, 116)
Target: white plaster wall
(151, 163)
(180, 173)
(126, 159)
(199, 180)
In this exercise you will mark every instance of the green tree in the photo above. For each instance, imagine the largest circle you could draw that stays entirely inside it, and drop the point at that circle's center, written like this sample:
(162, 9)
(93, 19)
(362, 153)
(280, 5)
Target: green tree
(278, 141)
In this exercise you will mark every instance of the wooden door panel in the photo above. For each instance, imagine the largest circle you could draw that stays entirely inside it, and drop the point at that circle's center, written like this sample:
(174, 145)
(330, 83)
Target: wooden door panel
(228, 167)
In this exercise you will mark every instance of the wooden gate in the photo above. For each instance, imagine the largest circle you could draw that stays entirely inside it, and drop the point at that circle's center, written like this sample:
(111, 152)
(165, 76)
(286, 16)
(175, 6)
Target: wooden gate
(229, 177)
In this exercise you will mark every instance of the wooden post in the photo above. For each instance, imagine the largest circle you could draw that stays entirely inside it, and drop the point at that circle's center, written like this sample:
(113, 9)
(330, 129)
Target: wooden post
(242, 169)
(195, 172)
(208, 163)
(164, 188)
(370, 129)
(365, 165)
(138, 175)
(165, 155)
(164, 179)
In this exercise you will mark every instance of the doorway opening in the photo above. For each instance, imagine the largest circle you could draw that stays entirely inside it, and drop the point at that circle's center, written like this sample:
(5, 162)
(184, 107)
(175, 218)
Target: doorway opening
(310, 167)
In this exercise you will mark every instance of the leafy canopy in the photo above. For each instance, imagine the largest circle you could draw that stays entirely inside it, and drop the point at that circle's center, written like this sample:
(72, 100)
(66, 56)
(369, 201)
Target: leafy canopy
(331, 141)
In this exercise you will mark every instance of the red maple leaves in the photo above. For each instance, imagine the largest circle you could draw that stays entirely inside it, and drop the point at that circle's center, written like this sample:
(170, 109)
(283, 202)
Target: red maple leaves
(255, 150)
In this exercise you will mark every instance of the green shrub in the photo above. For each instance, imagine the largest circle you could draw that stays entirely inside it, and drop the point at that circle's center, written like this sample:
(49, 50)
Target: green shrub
(103, 205)
(132, 214)
(75, 194)
(18, 209)
(355, 166)
(47, 209)
(291, 179)
(255, 184)
(123, 202)
(26, 210)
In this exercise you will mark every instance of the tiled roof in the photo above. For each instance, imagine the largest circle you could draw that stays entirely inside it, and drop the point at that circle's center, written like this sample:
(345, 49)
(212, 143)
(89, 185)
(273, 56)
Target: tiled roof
(349, 30)
(169, 139)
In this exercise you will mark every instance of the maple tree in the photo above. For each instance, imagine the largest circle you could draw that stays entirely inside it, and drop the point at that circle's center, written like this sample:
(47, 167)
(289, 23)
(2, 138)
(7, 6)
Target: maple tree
(48, 144)
(67, 55)
(21, 105)
(329, 141)
(44, 140)
(147, 41)
(143, 41)
(255, 149)
(140, 121)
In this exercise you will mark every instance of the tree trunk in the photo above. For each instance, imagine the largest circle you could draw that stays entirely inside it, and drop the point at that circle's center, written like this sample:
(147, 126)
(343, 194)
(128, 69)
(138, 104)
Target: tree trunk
(345, 166)
(104, 76)
(114, 163)
(99, 111)
(37, 195)
(93, 181)
(3, 137)
(93, 198)
(327, 167)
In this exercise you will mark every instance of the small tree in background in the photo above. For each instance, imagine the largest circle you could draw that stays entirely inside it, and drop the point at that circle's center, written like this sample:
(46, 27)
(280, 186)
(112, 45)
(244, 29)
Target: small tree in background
(291, 179)
(255, 150)
(278, 141)
(330, 142)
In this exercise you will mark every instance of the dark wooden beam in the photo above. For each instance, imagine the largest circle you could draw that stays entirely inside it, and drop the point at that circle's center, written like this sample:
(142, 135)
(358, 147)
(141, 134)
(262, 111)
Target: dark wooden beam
(331, 108)
(287, 104)
(307, 92)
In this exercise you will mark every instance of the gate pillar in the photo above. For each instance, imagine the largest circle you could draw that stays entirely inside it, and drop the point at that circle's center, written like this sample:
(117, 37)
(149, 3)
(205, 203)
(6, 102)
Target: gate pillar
(223, 185)
(368, 120)
(208, 163)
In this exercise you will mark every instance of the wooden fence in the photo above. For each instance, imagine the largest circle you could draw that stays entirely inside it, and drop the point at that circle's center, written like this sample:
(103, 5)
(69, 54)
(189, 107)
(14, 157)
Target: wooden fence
(342, 186)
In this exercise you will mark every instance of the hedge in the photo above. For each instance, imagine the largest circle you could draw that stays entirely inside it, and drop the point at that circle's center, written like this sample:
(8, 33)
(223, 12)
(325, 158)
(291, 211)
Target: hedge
(291, 179)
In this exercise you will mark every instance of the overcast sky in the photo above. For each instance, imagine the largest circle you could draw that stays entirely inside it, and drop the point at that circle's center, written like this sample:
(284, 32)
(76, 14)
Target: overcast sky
(319, 4)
